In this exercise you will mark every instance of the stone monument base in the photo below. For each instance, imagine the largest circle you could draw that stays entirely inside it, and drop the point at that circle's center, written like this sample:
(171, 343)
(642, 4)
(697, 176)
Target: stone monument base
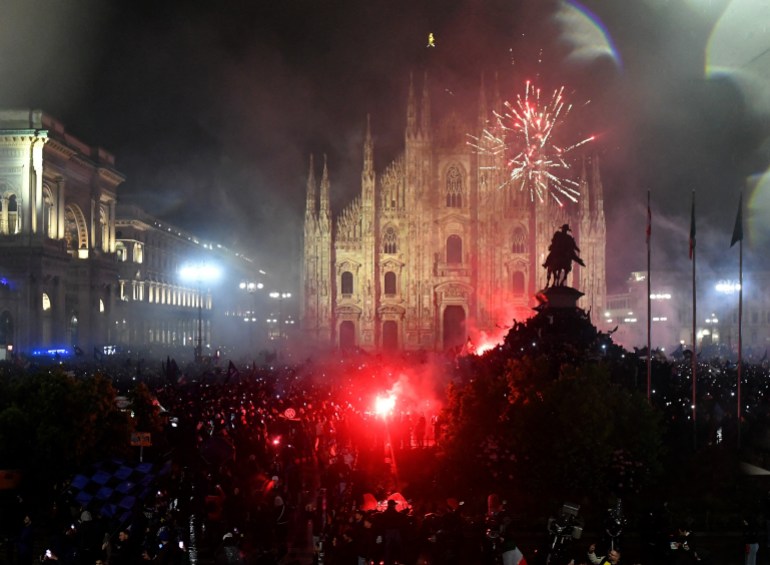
(557, 297)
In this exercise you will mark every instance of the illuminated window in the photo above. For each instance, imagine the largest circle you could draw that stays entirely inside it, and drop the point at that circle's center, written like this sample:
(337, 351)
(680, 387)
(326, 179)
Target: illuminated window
(347, 283)
(390, 283)
(138, 253)
(104, 226)
(454, 188)
(390, 241)
(454, 249)
(101, 305)
(46, 302)
(120, 252)
(519, 241)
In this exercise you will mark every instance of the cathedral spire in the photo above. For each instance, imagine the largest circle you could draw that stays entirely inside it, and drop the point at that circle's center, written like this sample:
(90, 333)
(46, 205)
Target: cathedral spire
(583, 187)
(425, 109)
(367, 174)
(324, 214)
(597, 191)
(411, 111)
(368, 149)
(312, 192)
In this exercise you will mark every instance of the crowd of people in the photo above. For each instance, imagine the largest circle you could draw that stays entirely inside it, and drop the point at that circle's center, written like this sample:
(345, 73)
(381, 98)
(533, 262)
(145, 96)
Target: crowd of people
(259, 455)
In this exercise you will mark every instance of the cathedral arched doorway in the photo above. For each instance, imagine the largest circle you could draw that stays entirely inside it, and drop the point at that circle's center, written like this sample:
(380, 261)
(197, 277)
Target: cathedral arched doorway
(389, 335)
(454, 327)
(347, 335)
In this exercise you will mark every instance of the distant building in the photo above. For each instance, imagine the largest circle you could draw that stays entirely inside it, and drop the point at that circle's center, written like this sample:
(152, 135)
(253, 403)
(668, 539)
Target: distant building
(81, 274)
(433, 252)
(57, 235)
(716, 324)
(158, 311)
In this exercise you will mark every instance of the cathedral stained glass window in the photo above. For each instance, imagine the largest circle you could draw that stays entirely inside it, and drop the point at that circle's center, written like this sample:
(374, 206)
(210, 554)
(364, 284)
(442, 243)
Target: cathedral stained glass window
(519, 241)
(390, 241)
(454, 188)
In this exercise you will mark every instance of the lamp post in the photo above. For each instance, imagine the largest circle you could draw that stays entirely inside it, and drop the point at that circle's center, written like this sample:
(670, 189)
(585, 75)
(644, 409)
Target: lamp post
(281, 296)
(252, 287)
(199, 273)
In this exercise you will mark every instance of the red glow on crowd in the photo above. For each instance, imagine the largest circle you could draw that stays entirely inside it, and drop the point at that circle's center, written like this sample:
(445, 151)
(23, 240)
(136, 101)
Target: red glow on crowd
(384, 405)
(480, 341)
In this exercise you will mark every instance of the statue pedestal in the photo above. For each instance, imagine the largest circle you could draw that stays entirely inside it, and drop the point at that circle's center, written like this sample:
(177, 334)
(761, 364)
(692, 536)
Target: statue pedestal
(557, 297)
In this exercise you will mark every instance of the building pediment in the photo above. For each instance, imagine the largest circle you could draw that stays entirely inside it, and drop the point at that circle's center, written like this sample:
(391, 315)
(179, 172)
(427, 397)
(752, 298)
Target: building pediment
(454, 291)
(391, 310)
(348, 265)
(516, 264)
(348, 310)
(391, 264)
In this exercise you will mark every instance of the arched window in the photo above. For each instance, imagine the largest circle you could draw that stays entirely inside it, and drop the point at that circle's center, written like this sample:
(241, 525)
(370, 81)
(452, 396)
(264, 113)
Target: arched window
(347, 283)
(390, 241)
(48, 223)
(454, 188)
(390, 283)
(518, 283)
(519, 241)
(454, 249)
(13, 215)
(46, 302)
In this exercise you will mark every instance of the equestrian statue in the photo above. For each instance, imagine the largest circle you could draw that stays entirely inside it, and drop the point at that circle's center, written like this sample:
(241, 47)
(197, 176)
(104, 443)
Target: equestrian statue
(561, 253)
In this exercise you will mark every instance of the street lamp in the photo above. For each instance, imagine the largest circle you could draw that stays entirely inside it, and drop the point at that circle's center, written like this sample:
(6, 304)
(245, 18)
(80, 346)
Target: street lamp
(252, 287)
(199, 273)
(280, 296)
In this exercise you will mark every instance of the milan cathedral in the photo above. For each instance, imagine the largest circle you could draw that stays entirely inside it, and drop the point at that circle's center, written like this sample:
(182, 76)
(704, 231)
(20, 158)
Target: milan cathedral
(433, 251)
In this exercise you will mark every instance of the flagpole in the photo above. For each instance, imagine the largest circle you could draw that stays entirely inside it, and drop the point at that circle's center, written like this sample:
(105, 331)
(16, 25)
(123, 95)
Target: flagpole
(694, 318)
(740, 332)
(649, 301)
(738, 230)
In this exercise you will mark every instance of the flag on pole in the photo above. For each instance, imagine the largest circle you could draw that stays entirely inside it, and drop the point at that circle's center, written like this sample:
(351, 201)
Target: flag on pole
(692, 226)
(738, 229)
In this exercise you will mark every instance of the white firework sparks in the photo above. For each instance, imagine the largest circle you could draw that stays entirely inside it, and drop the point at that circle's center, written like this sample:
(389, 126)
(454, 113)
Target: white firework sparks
(522, 137)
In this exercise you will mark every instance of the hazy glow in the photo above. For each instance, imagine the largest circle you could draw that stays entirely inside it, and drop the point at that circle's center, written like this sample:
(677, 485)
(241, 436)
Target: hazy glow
(727, 287)
(757, 233)
(739, 38)
(200, 272)
(585, 33)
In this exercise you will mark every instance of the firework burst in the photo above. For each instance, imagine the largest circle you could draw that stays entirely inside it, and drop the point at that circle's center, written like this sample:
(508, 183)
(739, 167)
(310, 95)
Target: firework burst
(521, 138)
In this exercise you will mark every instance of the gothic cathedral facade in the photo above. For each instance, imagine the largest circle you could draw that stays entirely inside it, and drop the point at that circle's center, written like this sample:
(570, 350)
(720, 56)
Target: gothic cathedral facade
(433, 252)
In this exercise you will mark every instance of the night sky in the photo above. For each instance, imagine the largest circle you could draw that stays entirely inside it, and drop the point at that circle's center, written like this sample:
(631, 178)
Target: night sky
(212, 108)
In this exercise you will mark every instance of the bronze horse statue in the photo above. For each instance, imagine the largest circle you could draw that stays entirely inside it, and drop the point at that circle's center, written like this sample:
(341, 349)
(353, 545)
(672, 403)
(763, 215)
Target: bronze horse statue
(561, 253)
